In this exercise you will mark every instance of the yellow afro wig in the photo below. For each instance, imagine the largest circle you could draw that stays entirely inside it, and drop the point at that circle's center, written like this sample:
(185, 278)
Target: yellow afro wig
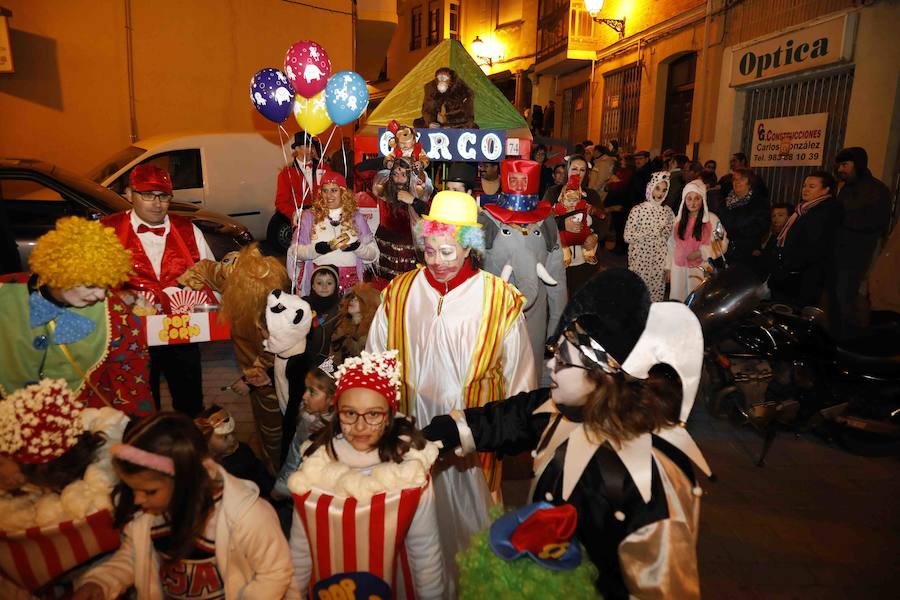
(80, 252)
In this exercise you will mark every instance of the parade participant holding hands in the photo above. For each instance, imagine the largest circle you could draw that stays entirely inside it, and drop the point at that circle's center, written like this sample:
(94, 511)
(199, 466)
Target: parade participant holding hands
(462, 341)
(61, 323)
(368, 473)
(608, 437)
(693, 242)
(163, 247)
(647, 233)
(188, 524)
(333, 233)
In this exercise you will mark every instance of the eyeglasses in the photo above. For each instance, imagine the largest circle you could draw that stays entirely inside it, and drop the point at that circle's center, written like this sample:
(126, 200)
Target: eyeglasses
(591, 351)
(372, 417)
(560, 356)
(150, 197)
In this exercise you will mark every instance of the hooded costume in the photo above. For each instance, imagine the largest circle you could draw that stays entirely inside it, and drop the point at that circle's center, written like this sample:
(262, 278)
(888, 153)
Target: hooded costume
(647, 233)
(637, 503)
(686, 273)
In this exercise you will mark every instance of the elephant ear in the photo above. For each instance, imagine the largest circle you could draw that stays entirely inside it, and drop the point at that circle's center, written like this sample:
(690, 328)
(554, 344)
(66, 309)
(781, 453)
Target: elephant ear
(550, 233)
(491, 229)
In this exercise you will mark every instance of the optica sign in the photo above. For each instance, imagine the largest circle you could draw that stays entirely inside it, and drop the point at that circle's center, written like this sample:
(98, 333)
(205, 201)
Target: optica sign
(815, 46)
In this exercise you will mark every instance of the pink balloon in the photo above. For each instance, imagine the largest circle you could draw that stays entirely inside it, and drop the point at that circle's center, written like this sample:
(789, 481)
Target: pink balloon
(307, 67)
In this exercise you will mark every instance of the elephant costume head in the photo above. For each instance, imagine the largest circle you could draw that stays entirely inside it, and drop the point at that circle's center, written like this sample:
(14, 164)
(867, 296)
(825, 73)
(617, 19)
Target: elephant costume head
(529, 256)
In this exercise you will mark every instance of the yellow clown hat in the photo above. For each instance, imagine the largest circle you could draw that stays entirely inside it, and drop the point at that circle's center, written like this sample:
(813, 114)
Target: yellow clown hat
(454, 208)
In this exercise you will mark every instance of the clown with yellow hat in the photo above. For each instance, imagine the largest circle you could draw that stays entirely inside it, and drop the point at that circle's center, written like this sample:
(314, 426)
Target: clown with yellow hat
(462, 342)
(61, 322)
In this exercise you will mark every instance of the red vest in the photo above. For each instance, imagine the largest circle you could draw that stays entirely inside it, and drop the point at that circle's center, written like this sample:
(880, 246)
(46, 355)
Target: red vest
(180, 254)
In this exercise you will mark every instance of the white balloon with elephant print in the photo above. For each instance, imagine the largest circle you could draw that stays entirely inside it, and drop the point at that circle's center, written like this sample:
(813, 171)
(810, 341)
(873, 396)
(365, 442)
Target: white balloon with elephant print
(530, 257)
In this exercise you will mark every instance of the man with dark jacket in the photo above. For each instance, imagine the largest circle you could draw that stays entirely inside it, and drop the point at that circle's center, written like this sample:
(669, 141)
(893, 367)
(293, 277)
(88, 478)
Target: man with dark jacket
(865, 204)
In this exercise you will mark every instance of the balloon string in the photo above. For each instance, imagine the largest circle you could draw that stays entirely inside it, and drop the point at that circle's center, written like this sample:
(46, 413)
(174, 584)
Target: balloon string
(328, 143)
(344, 157)
(295, 231)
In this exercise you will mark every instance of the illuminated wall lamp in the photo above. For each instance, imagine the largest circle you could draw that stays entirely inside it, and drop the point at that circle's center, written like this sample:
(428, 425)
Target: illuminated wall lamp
(479, 49)
(594, 7)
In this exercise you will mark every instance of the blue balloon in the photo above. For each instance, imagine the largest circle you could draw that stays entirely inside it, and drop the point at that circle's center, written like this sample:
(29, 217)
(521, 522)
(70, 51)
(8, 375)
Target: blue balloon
(272, 94)
(346, 97)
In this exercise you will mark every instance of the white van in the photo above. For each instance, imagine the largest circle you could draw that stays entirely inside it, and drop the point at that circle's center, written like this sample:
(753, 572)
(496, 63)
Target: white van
(231, 173)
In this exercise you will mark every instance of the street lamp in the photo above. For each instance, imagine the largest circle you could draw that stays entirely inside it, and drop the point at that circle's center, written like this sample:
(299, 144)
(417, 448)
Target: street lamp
(594, 7)
(479, 49)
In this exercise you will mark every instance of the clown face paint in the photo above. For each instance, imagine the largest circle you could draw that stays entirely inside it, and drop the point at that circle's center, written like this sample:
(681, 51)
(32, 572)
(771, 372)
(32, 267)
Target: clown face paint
(571, 385)
(444, 256)
(79, 296)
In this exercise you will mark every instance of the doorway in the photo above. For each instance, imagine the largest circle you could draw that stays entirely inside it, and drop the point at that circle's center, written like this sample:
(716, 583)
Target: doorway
(679, 103)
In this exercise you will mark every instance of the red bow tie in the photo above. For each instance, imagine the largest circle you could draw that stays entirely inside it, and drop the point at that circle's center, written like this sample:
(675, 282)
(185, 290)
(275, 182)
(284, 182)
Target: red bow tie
(160, 231)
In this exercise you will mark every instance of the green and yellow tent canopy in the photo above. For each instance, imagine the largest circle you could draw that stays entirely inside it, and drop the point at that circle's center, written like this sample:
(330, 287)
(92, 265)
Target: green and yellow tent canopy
(404, 102)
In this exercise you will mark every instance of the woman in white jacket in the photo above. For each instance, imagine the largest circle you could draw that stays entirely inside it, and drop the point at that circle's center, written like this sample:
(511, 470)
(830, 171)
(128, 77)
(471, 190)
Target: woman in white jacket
(693, 242)
(363, 494)
(191, 529)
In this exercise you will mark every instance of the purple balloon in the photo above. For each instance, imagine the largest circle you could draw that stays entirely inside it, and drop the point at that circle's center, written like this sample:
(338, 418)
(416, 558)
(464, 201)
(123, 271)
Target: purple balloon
(272, 94)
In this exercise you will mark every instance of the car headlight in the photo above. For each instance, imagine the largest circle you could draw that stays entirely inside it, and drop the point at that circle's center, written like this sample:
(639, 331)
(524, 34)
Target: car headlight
(244, 237)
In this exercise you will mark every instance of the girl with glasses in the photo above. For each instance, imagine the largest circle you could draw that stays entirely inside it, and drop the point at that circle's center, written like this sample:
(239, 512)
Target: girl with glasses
(362, 494)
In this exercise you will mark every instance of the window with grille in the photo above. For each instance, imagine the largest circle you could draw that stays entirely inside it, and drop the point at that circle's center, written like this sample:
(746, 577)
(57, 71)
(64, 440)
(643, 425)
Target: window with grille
(621, 102)
(415, 36)
(454, 21)
(829, 92)
(435, 26)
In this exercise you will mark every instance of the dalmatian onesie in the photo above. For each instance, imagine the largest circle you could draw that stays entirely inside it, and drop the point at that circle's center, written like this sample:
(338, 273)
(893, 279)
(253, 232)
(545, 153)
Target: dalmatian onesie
(647, 233)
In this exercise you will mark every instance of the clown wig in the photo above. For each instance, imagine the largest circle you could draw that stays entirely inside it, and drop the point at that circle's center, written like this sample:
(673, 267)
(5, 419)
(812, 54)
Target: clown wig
(468, 236)
(80, 252)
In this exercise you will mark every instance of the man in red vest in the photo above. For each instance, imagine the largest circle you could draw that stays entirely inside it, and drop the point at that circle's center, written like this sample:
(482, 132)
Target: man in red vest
(162, 247)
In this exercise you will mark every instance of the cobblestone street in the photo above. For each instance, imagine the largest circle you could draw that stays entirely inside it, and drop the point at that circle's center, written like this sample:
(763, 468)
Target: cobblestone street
(815, 523)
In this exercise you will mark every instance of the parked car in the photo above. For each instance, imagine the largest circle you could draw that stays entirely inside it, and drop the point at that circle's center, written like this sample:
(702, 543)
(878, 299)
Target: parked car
(232, 173)
(35, 194)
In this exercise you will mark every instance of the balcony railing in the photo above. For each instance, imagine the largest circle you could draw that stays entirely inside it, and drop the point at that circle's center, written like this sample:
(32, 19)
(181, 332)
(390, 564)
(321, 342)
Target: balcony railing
(565, 27)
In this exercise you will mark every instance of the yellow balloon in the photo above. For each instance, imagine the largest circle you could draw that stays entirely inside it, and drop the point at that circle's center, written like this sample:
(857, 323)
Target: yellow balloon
(311, 114)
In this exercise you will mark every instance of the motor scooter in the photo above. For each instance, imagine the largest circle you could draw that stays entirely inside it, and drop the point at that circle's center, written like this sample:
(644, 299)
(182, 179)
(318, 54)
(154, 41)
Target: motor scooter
(775, 367)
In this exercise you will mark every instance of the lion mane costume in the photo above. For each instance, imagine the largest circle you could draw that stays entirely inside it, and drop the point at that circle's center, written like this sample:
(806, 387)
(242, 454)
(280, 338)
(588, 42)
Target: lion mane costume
(349, 338)
(453, 108)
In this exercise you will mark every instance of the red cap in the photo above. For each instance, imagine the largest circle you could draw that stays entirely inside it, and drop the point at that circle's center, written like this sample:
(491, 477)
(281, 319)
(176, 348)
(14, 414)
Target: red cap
(333, 177)
(150, 178)
(378, 371)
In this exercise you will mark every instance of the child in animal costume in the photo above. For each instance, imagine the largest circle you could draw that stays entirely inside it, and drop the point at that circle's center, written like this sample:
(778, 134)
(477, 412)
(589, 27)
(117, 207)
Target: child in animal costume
(357, 309)
(363, 494)
(572, 204)
(609, 436)
(647, 233)
(333, 233)
(61, 323)
(217, 426)
(245, 279)
(288, 319)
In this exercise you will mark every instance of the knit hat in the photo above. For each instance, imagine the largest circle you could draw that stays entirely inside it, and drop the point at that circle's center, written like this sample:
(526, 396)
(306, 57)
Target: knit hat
(332, 177)
(379, 371)
(654, 181)
(698, 187)
(611, 310)
(40, 422)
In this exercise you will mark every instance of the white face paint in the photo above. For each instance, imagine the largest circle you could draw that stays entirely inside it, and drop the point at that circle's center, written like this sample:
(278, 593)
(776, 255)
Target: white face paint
(444, 257)
(571, 386)
(80, 296)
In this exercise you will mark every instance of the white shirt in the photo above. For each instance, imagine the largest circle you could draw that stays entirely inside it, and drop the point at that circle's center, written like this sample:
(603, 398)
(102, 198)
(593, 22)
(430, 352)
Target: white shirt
(155, 245)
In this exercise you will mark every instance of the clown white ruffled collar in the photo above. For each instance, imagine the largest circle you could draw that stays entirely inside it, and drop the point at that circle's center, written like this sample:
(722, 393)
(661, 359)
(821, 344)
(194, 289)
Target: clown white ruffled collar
(361, 475)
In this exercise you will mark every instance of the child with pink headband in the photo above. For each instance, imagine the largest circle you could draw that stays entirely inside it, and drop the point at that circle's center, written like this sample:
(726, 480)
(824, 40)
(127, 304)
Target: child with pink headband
(189, 526)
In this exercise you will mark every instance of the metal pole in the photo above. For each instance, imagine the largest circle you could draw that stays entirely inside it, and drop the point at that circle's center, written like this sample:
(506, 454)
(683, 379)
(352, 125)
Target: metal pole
(129, 53)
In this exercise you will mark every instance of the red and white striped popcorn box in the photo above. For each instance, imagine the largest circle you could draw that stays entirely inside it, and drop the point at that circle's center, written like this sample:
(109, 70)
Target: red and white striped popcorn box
(36, 556)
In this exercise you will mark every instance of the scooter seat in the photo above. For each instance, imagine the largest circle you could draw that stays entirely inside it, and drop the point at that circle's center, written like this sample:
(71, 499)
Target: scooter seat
(875, 353)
